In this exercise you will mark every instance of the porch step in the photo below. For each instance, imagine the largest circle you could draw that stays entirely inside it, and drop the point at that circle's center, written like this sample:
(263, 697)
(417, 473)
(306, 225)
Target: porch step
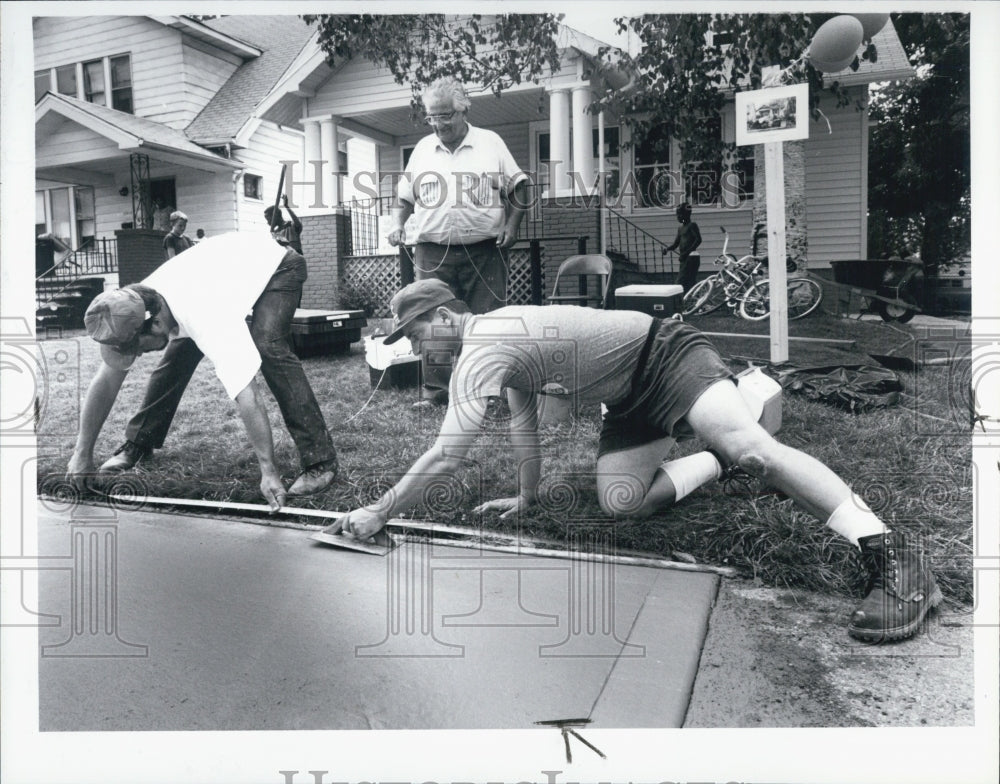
(64, 305)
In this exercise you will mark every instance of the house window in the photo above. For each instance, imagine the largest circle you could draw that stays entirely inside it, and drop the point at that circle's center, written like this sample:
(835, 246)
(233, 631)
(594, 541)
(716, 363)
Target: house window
(96, 77)
(121, 83)
(43, 83)
(612, 160)
(66, 80)
(253, 186)
(93, 82)
(40, 221)
(83, 200)
(654, 181)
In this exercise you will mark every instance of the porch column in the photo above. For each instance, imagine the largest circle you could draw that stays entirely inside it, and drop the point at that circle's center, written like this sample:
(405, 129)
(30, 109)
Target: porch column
(558, 141)
(583, 142)
(313, 152)
(331, 161)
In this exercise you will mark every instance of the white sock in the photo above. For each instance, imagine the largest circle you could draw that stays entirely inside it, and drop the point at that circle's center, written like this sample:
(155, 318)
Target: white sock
(853, 519)
(691, 472)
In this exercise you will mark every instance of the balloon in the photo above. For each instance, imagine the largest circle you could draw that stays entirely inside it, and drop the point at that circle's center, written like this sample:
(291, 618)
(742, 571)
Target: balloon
(871, 23)
(835, 44)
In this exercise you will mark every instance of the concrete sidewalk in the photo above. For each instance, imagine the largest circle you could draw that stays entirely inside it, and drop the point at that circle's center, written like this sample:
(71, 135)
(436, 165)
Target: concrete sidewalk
(172, 622)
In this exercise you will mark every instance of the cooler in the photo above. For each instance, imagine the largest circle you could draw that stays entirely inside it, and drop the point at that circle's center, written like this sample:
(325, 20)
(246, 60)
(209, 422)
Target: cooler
(317, 332)
(659, 301)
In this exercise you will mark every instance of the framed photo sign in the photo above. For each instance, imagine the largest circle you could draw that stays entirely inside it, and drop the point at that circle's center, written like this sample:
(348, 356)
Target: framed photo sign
(774, 114)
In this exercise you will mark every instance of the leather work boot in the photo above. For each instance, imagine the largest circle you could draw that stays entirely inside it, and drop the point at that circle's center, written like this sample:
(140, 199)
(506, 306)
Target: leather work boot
(125, 458)
(314, 479)
(901, 590)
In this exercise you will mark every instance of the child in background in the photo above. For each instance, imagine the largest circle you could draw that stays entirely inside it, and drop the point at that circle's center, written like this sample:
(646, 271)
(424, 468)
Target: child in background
(686, 242)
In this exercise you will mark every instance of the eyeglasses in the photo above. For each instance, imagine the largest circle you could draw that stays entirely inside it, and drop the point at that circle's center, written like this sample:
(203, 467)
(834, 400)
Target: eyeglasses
(437, 119)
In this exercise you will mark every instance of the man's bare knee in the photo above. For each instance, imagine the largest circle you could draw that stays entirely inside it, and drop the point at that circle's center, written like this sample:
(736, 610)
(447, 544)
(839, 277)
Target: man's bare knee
(622, 497)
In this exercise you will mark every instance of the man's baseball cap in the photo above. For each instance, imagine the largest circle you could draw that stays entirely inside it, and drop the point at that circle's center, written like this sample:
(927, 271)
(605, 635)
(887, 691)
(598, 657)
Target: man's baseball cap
(414, 300)
(114, 319)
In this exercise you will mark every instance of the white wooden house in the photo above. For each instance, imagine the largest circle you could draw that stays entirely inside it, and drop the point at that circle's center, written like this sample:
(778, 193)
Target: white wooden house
(217, 105)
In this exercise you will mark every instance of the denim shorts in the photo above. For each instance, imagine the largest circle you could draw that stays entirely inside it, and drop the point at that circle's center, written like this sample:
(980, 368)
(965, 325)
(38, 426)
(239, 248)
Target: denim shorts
(677, 365)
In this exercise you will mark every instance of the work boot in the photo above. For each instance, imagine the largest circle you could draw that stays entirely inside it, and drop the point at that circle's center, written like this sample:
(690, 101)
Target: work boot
(315, 479)
(125, 458)
(901, 590)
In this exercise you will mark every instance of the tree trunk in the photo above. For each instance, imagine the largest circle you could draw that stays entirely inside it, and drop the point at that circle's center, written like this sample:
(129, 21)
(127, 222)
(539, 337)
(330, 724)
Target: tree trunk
(796, 239)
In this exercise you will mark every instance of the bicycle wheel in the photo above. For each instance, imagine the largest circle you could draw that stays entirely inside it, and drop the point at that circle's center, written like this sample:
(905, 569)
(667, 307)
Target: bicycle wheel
(756, 302)
(804, 296)
(700, 298)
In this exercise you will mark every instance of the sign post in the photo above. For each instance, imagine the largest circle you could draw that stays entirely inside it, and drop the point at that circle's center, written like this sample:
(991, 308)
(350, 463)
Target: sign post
(772, 116)
(774, 178)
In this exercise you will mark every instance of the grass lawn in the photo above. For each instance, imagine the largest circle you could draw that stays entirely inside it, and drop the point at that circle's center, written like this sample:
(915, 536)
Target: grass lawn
(911, 462)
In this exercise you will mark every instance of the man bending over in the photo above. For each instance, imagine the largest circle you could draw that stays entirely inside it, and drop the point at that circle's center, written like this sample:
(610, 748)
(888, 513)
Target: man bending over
(200, 298)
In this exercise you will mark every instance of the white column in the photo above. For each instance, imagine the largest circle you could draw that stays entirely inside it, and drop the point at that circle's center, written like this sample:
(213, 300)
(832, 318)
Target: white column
(558, 141)
(583, 143)
(313, 152)
(331, 161)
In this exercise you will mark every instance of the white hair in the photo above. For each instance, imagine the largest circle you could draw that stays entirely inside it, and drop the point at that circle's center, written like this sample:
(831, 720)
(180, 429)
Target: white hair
(448, 87)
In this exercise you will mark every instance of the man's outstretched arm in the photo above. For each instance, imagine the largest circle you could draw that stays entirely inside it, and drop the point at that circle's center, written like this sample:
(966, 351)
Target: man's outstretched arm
(461, 426)
(254, 417)
(100, 398)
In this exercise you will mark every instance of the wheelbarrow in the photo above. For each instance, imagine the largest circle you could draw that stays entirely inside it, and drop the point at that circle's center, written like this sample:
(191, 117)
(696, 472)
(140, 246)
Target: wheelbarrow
(893, 288)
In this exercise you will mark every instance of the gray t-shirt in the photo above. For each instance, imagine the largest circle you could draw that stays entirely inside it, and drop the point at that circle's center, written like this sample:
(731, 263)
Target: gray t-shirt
(553, 350)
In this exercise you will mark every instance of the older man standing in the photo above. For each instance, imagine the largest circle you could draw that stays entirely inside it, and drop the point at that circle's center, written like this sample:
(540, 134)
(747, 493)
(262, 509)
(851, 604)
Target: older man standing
(467, 195)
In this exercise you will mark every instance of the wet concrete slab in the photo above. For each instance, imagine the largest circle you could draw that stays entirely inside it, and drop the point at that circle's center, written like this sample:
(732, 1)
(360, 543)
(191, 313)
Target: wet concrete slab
(174, 622)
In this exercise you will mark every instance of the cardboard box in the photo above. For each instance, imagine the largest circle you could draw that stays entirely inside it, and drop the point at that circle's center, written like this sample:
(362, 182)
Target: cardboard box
(659, 301)
(763, 397)
(391, 367)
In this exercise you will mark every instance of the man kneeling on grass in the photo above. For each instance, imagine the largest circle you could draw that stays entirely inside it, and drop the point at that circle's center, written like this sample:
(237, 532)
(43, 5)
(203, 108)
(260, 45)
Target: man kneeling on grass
(203, 296)
(660, 380)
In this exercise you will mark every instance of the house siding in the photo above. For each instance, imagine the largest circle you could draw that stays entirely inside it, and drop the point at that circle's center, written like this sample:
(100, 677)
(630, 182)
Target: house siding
(268, 146)
(70, 144)
(836, 174)
(172, 79)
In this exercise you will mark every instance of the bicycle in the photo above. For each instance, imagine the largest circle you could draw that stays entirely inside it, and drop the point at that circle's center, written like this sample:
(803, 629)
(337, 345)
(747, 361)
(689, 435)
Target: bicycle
(738, 285)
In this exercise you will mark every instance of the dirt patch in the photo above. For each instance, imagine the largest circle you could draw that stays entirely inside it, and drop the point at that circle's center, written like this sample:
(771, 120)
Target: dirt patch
(782, 658)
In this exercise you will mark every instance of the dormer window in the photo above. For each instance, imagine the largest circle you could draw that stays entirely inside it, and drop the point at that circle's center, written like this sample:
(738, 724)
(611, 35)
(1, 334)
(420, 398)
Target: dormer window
(89, 81)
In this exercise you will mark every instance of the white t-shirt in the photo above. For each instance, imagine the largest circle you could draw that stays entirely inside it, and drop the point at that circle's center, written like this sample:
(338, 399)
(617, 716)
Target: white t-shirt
(457, 195)
(210, 288)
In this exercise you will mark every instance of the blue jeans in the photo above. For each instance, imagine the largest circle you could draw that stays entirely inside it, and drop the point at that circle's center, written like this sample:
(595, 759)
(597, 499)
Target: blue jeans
(271, 331)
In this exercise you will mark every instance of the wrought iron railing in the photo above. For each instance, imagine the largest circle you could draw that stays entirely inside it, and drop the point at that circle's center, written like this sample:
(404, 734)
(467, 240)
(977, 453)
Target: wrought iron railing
(629, 244)
(95, 257)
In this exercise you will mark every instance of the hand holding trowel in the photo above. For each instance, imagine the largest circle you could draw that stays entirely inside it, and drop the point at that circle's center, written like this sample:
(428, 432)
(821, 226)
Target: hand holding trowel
(361, 529)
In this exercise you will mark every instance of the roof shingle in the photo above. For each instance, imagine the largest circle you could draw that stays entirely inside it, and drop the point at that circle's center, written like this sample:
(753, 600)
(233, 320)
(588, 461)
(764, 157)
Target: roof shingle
(281, 38)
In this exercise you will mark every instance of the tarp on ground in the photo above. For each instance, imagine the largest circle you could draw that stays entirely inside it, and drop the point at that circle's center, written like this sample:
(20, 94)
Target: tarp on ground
(856, 388)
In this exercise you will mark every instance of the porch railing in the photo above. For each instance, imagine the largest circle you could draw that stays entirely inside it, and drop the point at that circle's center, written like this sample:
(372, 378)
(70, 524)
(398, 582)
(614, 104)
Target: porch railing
(632, 245)
(365, 214)
(95, 257)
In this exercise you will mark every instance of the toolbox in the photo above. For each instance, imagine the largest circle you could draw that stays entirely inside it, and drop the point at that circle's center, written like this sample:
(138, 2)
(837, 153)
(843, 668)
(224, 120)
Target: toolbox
(316, 332)
(662, 301)
(326, 331)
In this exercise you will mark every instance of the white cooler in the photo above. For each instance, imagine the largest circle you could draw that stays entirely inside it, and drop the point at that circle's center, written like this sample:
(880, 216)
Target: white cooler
(659, 301)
